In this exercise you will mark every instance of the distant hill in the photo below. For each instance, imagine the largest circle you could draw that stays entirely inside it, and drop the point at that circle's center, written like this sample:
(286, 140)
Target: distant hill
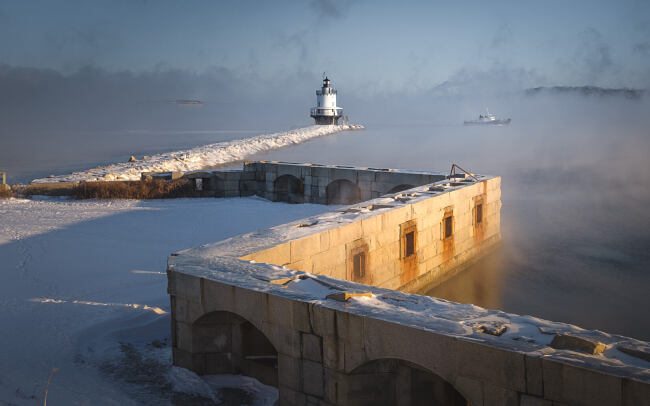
(587, 91)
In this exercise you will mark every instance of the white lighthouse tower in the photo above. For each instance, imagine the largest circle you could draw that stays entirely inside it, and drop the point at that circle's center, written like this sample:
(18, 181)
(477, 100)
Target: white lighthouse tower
(326, 111)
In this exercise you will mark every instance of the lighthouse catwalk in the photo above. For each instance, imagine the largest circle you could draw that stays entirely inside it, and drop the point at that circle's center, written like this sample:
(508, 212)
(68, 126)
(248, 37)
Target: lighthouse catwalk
(326, 112)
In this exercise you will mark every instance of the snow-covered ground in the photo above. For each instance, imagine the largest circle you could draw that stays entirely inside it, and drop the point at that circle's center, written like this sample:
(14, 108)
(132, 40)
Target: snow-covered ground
(201, 157)
(83, 290)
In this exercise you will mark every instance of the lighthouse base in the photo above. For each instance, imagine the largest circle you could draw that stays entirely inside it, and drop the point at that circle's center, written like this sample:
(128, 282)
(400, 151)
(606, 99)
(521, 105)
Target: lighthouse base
(326, 120)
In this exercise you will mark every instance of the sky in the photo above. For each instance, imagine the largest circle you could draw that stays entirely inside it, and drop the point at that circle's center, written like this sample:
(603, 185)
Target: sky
(385, 45)
(116, 65)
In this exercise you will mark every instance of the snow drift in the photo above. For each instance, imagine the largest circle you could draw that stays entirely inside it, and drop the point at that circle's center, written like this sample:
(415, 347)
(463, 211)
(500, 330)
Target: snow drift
(200, 157)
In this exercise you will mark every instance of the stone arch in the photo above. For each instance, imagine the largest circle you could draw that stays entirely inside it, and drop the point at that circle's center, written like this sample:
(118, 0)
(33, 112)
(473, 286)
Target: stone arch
(399, 188)
(224, 342)
(392, 381)
(289, 188)
(342, 191)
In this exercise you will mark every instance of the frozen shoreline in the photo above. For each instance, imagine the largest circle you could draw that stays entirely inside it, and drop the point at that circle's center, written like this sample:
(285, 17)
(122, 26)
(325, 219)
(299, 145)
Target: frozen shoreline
(83, 290)
(201, 157)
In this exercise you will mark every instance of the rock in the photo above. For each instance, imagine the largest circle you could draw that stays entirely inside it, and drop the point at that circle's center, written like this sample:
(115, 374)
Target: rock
(569, 342)
(307, 224)
(495, 329)
(50, 176)
(637, 351)
(344, 296)
(547, 330)
(524, 338)
(281, 281)
(132, 159)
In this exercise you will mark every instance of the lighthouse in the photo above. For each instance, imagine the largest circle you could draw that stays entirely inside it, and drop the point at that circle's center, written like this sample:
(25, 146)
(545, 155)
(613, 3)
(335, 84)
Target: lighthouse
(326, 112)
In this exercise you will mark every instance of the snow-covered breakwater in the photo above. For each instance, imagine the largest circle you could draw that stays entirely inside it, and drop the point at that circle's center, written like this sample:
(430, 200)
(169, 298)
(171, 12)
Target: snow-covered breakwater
(200, 157)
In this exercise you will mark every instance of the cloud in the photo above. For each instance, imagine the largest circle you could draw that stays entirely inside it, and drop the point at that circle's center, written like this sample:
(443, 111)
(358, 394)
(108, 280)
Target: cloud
(592, 59)
(642, 48)
(301, 42)
(502, 36)
(331, 8)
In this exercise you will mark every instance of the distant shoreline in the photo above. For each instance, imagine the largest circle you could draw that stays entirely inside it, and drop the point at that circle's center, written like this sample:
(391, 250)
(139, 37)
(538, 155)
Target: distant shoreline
(629, 93)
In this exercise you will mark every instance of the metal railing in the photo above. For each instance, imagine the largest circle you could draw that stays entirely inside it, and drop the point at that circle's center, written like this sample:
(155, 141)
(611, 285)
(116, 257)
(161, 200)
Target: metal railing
(320, 111)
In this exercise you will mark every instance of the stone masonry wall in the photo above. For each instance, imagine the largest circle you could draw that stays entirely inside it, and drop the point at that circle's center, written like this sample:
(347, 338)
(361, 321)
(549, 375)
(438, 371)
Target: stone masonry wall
(382, 239)
(318, 348)
(372, 182)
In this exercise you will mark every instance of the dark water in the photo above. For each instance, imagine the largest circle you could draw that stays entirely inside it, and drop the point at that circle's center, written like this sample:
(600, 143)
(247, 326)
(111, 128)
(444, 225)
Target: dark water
(576, 204)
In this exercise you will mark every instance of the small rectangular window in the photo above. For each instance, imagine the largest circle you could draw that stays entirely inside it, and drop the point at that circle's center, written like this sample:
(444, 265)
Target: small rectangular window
(199, 183)
(479, 213)
(448, 226)
(359, 266)
(410, 243)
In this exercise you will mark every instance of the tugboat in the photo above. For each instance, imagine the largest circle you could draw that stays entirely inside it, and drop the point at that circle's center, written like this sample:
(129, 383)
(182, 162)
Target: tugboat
(488, 119)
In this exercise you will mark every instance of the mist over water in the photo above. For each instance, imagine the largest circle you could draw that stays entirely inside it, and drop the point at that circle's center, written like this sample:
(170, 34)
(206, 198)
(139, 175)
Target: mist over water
(575, 193)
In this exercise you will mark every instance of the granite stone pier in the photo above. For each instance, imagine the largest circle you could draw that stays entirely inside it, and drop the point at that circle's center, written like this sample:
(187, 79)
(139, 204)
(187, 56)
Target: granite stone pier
(321, 309)
(304, 182)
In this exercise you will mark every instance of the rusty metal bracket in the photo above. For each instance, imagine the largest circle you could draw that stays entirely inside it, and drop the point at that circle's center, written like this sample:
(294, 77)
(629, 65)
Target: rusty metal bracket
(452, 172)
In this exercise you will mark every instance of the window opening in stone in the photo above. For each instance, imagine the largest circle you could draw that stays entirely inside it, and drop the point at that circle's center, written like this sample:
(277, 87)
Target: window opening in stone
(359, 266)
(479, 213)
(410, 243)
(199, 183)
(448, 226)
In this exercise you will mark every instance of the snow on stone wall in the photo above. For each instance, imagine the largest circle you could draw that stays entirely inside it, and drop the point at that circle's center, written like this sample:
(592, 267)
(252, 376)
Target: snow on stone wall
(200, 157)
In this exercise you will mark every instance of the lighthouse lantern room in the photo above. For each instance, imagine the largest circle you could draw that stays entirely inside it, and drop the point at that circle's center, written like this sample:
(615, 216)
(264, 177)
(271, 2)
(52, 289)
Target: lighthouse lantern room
(326, 112)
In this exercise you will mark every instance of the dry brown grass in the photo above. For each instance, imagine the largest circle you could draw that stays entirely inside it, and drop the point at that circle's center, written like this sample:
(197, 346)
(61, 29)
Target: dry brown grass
(142, 189)
(5, 193)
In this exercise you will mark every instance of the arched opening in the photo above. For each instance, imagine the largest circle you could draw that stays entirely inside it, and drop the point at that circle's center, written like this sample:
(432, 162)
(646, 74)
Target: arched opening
(289, 189)
(225, 343)
(399, 188)
(398, 382)
(342, 191)
(207, 184)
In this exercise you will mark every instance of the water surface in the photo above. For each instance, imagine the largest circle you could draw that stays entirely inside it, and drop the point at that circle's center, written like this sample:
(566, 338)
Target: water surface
(576, 200)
